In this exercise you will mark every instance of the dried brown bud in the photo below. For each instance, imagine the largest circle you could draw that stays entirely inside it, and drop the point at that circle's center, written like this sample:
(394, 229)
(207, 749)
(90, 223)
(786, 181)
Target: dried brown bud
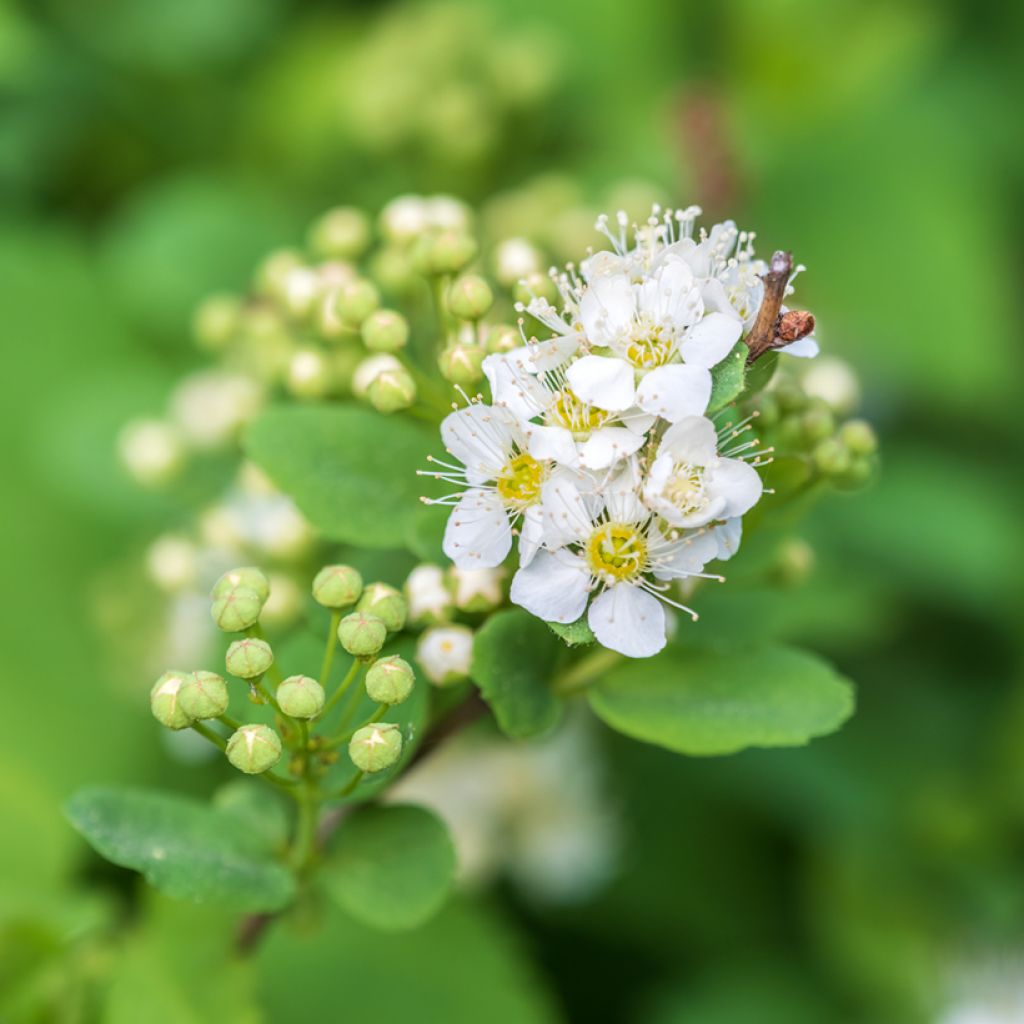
(794, 325)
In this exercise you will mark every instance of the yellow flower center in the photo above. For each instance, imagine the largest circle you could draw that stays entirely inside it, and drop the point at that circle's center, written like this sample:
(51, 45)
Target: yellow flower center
(576, 415)
(616, 551)
(685, 489)
(520, 481)
(649, 350)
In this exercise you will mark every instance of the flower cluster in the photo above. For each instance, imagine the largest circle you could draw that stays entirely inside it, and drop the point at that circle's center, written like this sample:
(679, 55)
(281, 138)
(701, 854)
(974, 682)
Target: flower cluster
(596, 449)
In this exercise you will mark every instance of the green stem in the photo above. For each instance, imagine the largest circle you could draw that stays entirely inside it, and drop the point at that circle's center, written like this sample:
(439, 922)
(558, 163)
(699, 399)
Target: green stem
(230, 722)
(583, 672)
(353, 671)
(304, 844)
(332, 645)
(208, 733)
(342, 738)
(347, 789)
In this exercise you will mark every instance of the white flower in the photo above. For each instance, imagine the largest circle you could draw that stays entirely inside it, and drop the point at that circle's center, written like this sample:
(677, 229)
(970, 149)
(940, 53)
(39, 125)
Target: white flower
(477, 589)
(444, 653)
(428, 598)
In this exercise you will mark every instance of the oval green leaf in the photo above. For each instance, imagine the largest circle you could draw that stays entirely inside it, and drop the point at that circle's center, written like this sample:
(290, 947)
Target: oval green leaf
(183, 847)
(728, 378)
(391, 867)
(707, 702)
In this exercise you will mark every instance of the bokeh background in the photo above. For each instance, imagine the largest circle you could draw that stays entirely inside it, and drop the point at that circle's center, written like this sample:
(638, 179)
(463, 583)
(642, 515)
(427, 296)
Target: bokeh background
(151, 151)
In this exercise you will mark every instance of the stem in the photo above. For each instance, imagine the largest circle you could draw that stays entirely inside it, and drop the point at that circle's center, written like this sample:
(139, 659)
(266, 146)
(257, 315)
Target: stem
(332, 646)
(342, 738)
(218, 741)
(347, 789)
(230, 722)
(353, 671)
(303, 847)
(581, 674)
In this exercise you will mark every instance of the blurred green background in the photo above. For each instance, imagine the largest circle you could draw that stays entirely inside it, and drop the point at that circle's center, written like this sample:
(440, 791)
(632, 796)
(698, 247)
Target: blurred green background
(151, 151)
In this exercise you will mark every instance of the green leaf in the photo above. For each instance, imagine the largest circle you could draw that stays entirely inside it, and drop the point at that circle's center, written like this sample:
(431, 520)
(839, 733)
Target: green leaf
(728, 377)
(391, 867)
(708, 702)
(575, 634)
(187, 849)
(514, 657)
(759, 375)
(351, 471)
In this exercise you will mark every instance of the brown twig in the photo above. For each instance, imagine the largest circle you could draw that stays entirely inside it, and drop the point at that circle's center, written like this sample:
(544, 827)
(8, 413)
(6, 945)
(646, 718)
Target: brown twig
(773, 328)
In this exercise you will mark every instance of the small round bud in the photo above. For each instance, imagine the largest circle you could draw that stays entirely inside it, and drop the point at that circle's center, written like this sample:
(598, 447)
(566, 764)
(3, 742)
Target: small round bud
(203, 695)
(390, 680)
(355, 301)
(817, 422)
(393, 268)
(254, 748)
(361, 634)
(300, 697)
(370, 369)
(152, 451)
(236, 610)
(514, 259)
(386, 603)
(404, 218)
(375, 747)
(477, 590)
(211, 407)
(502, 338)
(392, 391)
(426, 595)
(445, 252)
(301, 287)
(309, 374)
(535, 286)
(462, 364)
(859, 436)
(249, 658)
(274, 270)
(172, 563)
(337, 586)
(445, 653)
(859, 473)
(385, 331)
(165, 703)
(470, 297)
(245, 576)
(342, 233)
(832, 457)
(789, 394)
(217, 321)
(833, 380)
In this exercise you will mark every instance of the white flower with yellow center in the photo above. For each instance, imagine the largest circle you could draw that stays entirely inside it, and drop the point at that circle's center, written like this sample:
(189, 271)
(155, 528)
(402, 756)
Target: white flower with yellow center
(445, 653)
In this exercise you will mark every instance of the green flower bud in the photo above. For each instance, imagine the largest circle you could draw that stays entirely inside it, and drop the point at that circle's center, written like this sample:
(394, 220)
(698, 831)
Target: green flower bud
(249, 658)
(337, 586)
(514, 259)
(216, 322)
(858, 474)
(254, 748)
(536, 285)
(502, 338)
(375, 747)
(470, 297)
(386, 603)
(152, 452)
(859, 436)
(462, 364)
(392, 391)
(309, 374)
(203, 695)
(245, 576)
(385, 331)
(393, 268)
(789, 394)
(444, 252)
(354, 302)
(164, 700)
(236, 610)
(272, 274)
(817, 422)
(345, 361)
(477, 590)
(361, 634)
(370, 369)
(342, 233)
(300, 697)
(832, 457)
(390, 680)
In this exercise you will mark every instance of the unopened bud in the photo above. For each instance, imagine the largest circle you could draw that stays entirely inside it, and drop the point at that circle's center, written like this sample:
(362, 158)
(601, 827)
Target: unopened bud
(393, 268)
(342, 233)
(254, 749)
(309, 374)
(272, 273)
(217, 321)
(833, 380)
(244, 576)
(249, 658)
(386, 603)
(427, 597)
(237, 609)
(445, 653)
(337, 586)
(385, 331)
(204, 695)
(375, 747)
(502, 338)
(165, 700)
(392, 391)
(789, 394)
(362, 635)
(152, 451)
(514, 259)
(300, 697)
(390, 680)
(477, 590)
(404, 218)
(470, 297)
(355, 301)
(817, 422)
(859, 436)
(173, 563)
(370, 369)
(535, 286)
(462, 364)
(794, 325)
(832, 457)
(445, 252)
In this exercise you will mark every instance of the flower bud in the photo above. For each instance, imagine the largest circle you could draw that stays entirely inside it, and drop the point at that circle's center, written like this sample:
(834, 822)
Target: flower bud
(375, 747)
(426, 595)
(309, 374)
(216, 322)
(300, 697)
(345, 362)
(211, 407)
(362, 635)
(833, 380)
(385, 331)
(393, 268)
(789, 394)
(342, 233)
(445, 252)
(355, 301)
(392, 391)
(470, 297)
(172, 563)
(514, 259)
(462, 364)
(237, 609)
(203, 695)
(859, 437)
(445, 653)
(300, 288)
(386, 603)
(152, 451)
(404, 218)
(370, 369)
(817, 422)
(477, 590)
(249, 658)
(337, 586)
(502, 338)
(244, 576)
(273, 271)
(832, 457)
(390, 680)
(535, 286)
(164, 701)
(254, 748)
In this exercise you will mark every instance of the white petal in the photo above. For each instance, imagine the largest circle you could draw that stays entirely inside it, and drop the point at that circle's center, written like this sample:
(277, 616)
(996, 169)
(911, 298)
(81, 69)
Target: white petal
(554, 444)
(673, 392)
(531, 534)
(554, 587)
(480, 437)
(622, 495)
(692, 440)
(606, 383)
(553, 352)
(513, 385)
(727, 536)
(607, 307)
(710, 341)
(804, 348)
(478, 535)
(716, 299)
(628, 620)
(687, 555)
(607, 445)
(671, 295)
(566, 517)
(738, 483)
